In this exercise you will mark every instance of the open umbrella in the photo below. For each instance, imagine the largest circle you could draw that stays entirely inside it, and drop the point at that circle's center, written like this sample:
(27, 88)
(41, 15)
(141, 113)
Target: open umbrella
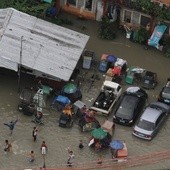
(116, 144)
(70, 88)
(99, 133)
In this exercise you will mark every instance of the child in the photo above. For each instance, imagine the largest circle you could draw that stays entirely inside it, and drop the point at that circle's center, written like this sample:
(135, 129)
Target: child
(34, 133)
(8, 146)
(70, 158)
(11, 125)
(99, 161)
(81, 146)
(32, 156)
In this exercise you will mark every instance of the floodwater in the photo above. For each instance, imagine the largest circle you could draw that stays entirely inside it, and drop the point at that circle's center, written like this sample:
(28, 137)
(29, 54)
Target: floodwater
(58, 139)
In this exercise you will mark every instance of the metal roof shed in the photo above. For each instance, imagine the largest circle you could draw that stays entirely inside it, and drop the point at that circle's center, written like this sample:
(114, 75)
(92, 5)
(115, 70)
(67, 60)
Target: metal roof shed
(38, 45)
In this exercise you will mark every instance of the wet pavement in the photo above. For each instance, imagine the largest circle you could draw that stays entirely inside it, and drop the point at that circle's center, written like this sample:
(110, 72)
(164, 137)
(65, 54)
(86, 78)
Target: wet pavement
(58, 139)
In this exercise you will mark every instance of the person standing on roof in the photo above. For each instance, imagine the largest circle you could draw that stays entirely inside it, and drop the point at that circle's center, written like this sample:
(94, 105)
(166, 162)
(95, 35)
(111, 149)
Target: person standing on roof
(11, 125)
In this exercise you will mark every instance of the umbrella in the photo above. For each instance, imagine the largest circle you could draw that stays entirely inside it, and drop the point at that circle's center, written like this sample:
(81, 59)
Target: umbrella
(70, 88)
(99, 133)
(116, 144)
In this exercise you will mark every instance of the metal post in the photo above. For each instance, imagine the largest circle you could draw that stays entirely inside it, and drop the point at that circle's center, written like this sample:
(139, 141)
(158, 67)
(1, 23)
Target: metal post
(19, 66)
(44, 166)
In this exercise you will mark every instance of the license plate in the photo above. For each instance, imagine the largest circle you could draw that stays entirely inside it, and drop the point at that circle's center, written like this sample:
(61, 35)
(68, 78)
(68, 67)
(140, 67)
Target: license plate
(167, 101)
(140, 134)
(122, 121)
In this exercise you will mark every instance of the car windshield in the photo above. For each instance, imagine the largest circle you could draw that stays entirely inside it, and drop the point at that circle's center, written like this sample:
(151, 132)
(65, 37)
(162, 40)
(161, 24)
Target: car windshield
(146, 81)
(146, 125)
(166, 93)
(126, 108)
(149, 78)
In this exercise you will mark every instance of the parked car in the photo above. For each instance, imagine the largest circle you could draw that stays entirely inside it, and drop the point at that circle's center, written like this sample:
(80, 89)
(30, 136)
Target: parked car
(130, 106)
(164, 95)
(149, 80)
(151, 120)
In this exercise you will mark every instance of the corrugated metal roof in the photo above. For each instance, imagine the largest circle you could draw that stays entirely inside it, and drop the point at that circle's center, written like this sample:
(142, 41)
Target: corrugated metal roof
(46, 47)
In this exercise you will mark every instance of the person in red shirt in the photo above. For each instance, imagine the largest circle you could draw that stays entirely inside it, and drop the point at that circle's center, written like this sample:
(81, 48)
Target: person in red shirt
(43, 148)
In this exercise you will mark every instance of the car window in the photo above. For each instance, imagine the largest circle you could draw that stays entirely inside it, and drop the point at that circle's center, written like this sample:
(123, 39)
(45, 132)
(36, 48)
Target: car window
(160, 118)
(149, 78)
(127, 106)
(166, 93)
(119, 87)
(146, 125)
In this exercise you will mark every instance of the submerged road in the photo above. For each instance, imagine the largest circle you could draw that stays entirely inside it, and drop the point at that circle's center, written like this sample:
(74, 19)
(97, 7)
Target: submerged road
(140, 152)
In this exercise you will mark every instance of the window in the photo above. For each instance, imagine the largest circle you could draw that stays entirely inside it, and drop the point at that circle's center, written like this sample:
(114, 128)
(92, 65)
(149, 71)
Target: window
(88, 5)
(135, 17)
(144, 20)
(71, 2)
(127, 16)
(160, 118)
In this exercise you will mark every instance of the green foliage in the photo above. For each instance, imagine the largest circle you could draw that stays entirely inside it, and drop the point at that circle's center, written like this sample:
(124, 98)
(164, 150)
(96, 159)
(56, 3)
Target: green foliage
(152, 9)
(59, 21)
(32, 7)
(106, 30)
(141, 36)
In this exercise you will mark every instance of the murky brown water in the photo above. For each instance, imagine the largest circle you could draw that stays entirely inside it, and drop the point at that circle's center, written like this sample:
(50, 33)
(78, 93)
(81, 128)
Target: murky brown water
(58, 139)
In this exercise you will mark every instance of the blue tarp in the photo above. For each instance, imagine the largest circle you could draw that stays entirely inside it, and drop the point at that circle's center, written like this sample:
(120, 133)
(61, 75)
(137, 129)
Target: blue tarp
(157, 35)
(116, 144)
(111, 58)
(62, 99)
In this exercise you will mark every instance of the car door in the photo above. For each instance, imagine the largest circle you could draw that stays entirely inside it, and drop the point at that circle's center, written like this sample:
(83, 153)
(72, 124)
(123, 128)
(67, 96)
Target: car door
(159, 122)
(138, 108)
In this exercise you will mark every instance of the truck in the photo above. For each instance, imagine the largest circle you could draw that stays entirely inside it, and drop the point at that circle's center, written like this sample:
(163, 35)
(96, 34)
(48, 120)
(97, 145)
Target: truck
(109, 94)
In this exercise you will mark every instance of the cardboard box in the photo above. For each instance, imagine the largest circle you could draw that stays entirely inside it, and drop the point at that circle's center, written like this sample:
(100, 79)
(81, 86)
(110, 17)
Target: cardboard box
(104, 57)
(108, 126)
(109, 72)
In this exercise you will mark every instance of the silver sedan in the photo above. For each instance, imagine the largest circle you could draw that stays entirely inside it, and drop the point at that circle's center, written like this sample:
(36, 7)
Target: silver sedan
(151, 120)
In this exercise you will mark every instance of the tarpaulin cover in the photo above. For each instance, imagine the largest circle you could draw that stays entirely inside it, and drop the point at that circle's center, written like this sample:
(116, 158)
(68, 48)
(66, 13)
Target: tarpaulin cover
(111, 58)
(116, 70)
(62, 99)
(99, 133)
(156, 35)
(116, 144)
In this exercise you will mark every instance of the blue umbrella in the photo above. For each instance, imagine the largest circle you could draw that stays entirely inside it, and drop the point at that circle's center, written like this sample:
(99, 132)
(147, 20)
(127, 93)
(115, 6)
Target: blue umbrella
(116, 144)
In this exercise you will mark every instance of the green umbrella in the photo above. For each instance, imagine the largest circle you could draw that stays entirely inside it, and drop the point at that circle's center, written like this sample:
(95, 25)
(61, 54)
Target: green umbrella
(99, 133)
(70, 88)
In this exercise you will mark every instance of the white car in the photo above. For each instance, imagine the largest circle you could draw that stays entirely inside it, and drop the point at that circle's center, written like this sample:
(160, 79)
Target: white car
(151, 120)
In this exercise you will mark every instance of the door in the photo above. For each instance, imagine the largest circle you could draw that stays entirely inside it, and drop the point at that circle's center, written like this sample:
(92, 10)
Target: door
(99, 12)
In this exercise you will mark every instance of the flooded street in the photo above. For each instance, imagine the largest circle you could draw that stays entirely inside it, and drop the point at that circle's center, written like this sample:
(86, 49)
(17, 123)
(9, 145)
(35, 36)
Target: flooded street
(58, 139)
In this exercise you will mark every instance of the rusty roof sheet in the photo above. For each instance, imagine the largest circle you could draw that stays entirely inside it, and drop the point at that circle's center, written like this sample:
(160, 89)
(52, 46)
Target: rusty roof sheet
(46, 47)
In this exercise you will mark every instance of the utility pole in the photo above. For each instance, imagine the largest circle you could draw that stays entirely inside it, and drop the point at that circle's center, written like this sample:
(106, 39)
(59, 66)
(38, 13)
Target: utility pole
(19, 66)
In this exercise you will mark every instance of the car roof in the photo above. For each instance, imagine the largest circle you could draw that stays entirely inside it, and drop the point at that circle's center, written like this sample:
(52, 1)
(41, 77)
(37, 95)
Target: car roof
(151, 114)
(111, 84)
